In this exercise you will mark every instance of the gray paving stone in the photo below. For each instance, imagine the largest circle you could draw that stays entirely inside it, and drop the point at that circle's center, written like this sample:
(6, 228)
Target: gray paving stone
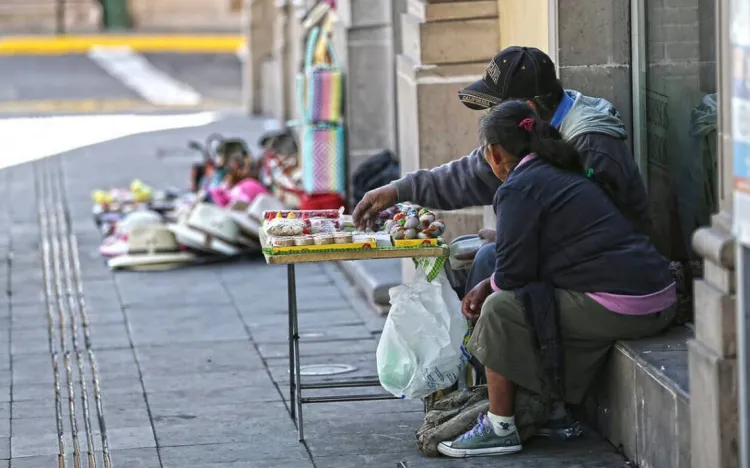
(284, 452)
(132, 458)
(190, 358)
(317, 319)
(281, 350)
(186, 401)
(365, 366)
(207, 383)
(106, 336)
(185, 325)
(44, 408)
(30, 340)
(117, 364)
(4, 447)
(318, 333)
(32, 371)
(327, 443)
(258, 431)
(156, 294)
(275, 299)
(47, 444)
(254, 273)
(218, 413)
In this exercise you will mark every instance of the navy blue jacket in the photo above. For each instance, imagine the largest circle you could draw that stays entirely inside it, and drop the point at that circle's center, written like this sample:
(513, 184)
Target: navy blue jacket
(559, 227)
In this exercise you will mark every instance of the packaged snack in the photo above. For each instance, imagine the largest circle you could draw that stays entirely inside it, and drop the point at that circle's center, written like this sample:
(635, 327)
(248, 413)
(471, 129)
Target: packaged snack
(282, 227)
(343, 238)
(282, 241)
(346, 223)
(323, 239)
(304, 240)
(330, 214)
(321, 225)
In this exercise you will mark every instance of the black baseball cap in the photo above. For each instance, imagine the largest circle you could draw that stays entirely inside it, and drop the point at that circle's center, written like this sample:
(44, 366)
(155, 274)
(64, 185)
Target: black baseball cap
(516, 72)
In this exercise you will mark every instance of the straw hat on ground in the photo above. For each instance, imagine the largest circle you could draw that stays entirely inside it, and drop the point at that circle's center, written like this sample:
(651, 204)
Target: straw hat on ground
(151, 247)
(209, 228)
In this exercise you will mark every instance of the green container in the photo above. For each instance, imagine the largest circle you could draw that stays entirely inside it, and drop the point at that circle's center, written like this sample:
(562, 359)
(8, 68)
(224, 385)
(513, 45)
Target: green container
(116, 14)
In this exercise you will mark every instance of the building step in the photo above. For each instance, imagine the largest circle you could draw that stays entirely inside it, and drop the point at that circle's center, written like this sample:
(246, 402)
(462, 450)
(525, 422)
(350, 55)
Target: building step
(642, 404)
(374, 279)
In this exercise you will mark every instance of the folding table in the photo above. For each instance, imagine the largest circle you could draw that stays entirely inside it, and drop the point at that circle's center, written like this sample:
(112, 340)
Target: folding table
(296, 386)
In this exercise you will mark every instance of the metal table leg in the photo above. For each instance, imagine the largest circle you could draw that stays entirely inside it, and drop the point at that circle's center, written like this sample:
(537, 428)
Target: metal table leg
(294, 355)
(292, 298)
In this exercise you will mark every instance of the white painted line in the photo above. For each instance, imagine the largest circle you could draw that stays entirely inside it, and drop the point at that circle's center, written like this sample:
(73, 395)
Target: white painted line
(138, 74)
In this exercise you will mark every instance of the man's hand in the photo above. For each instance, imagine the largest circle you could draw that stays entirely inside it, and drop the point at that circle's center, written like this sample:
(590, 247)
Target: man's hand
(489, 236)
(471, 306)
(374, 201)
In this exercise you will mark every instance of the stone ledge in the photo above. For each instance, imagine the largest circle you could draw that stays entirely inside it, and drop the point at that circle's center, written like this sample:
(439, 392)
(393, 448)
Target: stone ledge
(374, 278)
(642, 404)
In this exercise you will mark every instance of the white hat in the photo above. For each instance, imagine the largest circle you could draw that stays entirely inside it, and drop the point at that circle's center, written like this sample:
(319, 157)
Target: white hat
(264, 202)
(238, 211)
(117, 244)
(210, 229)
(151, 247)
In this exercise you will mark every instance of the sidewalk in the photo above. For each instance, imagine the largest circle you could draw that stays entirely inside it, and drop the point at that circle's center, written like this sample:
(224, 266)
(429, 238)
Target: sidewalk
(192, 363)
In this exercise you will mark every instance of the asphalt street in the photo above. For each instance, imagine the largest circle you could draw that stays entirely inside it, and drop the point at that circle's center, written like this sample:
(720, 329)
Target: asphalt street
(80, 84)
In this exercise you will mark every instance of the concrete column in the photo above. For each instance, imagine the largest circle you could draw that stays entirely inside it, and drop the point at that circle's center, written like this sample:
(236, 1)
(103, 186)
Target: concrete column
(514, 20)
(365, 40)
(258, 30)
(713, 353)
(445, 45)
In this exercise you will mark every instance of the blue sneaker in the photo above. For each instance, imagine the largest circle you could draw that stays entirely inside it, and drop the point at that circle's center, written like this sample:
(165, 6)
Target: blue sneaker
(481, 441)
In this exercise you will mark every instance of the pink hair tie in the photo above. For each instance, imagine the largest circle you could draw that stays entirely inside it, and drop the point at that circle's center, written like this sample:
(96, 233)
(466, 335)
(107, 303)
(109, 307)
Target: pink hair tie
(527, 124)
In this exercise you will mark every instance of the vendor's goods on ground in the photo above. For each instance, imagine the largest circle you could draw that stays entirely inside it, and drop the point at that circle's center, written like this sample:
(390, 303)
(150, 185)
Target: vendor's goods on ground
(219, 219)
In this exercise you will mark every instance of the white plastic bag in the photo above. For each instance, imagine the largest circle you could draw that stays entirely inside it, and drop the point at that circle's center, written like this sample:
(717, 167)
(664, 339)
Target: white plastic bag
(421, 348)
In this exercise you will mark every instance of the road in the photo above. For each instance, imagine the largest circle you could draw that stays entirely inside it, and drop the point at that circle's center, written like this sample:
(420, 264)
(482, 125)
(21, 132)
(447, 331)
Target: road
(118, 80)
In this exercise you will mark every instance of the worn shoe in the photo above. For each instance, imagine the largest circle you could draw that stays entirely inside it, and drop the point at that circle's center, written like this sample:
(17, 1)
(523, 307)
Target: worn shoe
(561, 429)
(481, 441)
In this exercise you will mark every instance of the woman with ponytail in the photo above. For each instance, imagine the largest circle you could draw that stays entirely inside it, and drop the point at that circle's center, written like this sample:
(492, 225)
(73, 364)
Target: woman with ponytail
(572, 276)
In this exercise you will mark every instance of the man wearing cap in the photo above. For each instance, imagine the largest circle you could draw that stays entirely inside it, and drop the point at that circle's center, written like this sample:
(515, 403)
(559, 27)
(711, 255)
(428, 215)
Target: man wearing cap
(592, 125)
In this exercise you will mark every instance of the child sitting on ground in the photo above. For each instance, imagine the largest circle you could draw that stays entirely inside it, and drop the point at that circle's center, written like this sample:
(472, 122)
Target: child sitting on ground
(240, 182)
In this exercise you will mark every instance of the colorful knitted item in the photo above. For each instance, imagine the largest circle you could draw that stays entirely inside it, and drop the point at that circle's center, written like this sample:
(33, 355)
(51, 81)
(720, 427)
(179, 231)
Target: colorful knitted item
(325, 94)
(323, 159)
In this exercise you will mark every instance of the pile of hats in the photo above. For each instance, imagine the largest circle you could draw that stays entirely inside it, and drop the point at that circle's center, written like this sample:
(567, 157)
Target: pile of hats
(194, 233)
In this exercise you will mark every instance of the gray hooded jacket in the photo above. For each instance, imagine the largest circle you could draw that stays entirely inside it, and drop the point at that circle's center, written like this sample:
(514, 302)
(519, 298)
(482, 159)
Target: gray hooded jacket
(592, 125)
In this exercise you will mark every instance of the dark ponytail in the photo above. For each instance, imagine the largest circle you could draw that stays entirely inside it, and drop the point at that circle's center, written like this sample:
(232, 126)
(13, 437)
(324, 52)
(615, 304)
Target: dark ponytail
(518, 130)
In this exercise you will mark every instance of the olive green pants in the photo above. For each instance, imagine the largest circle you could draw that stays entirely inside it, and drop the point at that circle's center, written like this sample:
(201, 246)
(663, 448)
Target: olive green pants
(501, 339)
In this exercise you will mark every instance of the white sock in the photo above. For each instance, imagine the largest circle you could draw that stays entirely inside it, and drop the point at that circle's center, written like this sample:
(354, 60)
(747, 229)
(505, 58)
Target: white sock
(502, 425)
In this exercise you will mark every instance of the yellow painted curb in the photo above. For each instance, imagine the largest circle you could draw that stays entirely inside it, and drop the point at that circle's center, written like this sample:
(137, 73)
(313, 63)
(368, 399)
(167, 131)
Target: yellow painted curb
(72, 44)
(86, 106)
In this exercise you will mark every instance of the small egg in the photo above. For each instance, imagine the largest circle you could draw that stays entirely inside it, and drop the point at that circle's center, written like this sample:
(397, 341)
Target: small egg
(422, 235)
(411, 223)
(436, 229)
(426, 219)
(410, 234)
(398, 232)
(401, 221)
(388, 225)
